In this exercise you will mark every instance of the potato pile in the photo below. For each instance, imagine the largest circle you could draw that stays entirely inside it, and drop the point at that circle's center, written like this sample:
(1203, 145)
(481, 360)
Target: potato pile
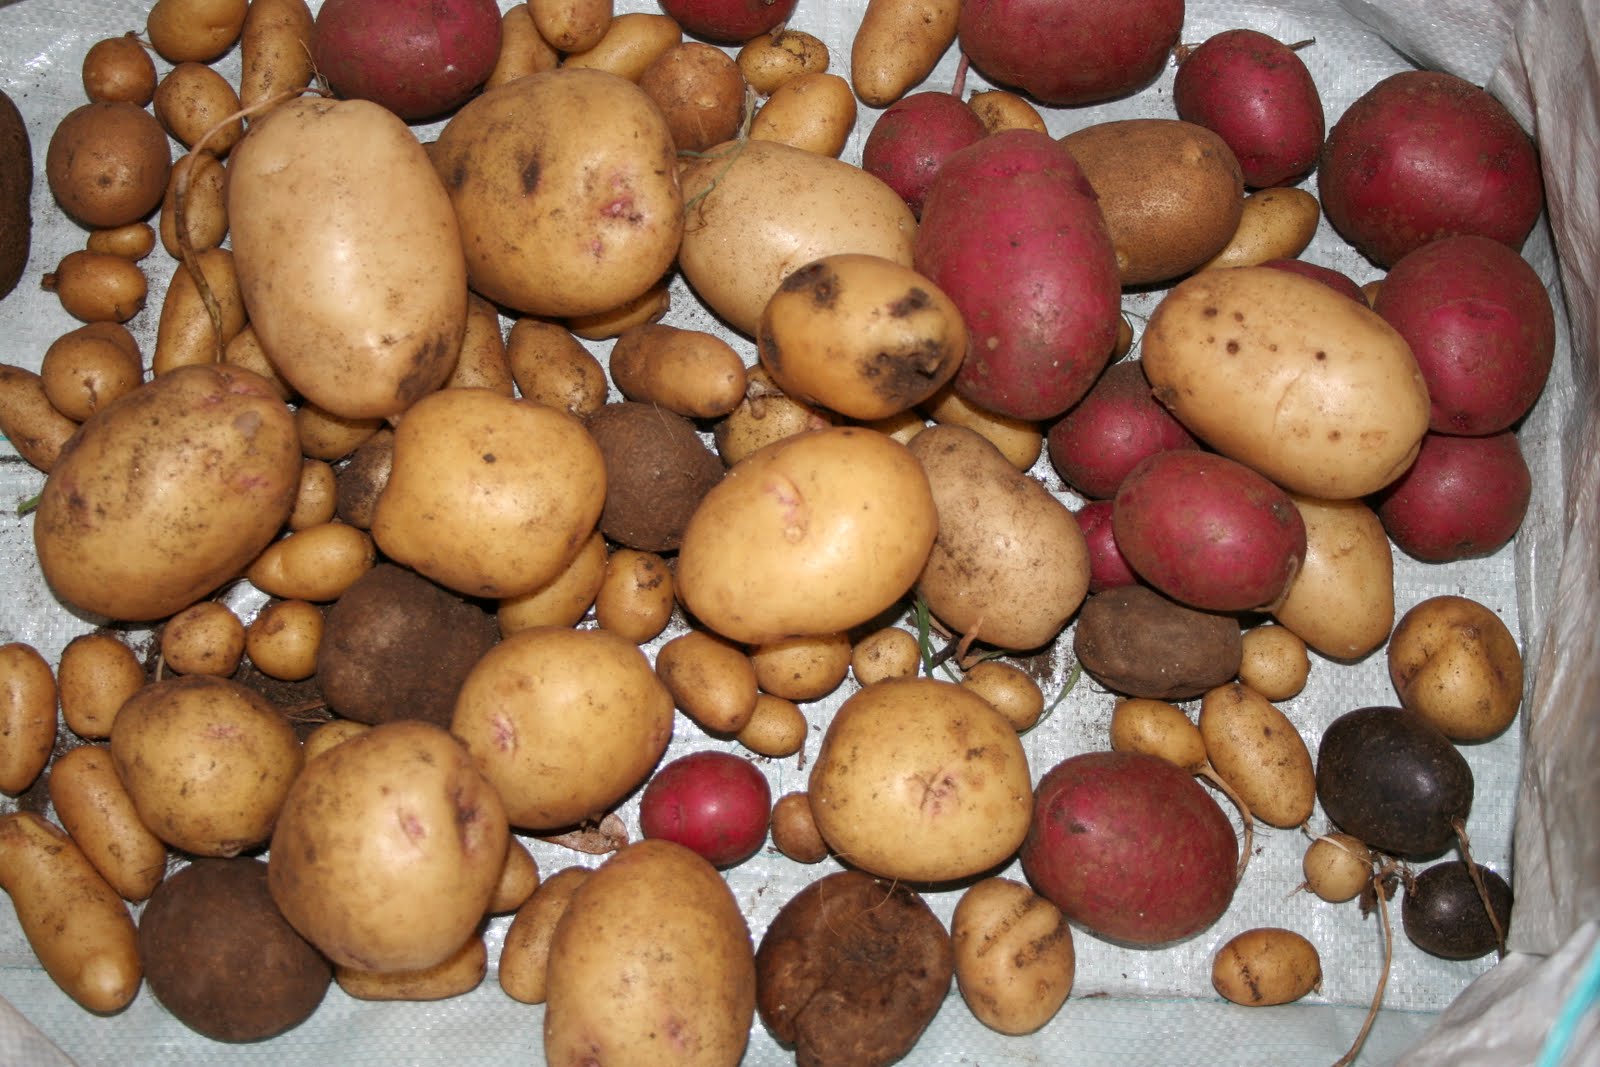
(500, 442)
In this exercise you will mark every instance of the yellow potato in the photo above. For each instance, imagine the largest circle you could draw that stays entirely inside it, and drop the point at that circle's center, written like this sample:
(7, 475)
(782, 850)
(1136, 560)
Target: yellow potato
(794, 830)
(330, 437)
(902, 427)
(134, 241)
(773, 58)
(186, 333)
(710, 679)
(95, 808)
(1014, 957)
(551, 367)
(330, 734)
(777, 727)
(518, 878)
(33, 425)
(482, 363)
(631, 43)
(813, 534)
(193, 102)
(1273, 224)
(649, 306)
(195, 30)
(1019, 440)
(283, 639)
(1256, 749)
(816, 112)
(27, 715)
(571, 25)
(691, 372)
(522, 49)
(765, 415)
(885, 654)
(316, 497)
(1337, 867)
(334, 209)
(759, 210)
(245, 351)
(275, 50)
(1341, 601)
(317, 563)
(98, 672)
(1157, 728)
(802, 668)
(564, 599)
(76, 924)
(1274, 662)
(635, 598)
(1266, 965)
(1000, 110)
(205, 638)
(897, 45)
(460, 972)
(1011, 690)
(525, 955)
(87, 368)
(1456, 663)
(98, 287)
(1321, 395)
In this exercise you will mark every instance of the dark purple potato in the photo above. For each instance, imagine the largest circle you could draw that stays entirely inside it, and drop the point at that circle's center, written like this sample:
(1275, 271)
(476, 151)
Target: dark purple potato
(1391, 778)
(913, 137)
(1443, 915)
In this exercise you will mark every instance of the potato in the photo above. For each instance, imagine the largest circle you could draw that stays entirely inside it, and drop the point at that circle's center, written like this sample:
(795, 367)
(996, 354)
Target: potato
(773, 58)
(1322, 396)
(333, 209)
(107, 163)
(766, 414)
(941, 771)
(16, 195)
(78, 927)
(651, 962)
(1455, 663)
(316, 497)
(1011, 691)
(275, 50)
(203, 181)
(525, 955)
(87, 368)
(331, 734)
(245, 351)
(1266, 965)
(388, 849)
(1341, 602)
(1274, 662)
(522, 49)
(460, 972)
(1157, 728)
(96, 287)
(1002, 110)
(813, 534)
(630, 45)
(551, 367)
(186, 333)
(657, 471)
(897, 45)
(27, 715)
(482, 363)
(787, 207)
(862, 335)
(563, 722)
(884, 654)
(635, 598)
(97, 673)
(489, 495)
(710, 679)
(193, 101)
(564, 599)
(1014, 956)
(318, 563)
(1256, 749)
(562, 214)
(36, 429)
(283, 640)
(95, 808)
(133, 240)
(207, 762)
(777, 727)
(648, 307)
(1337, 867)
(330, 437)
(571, 25)
(1134, 641)
(802, 668)
(816, 112)
(119, 68)
(1010, 564)
(1273, 224)
(690, 372)
(700, 90)
(519, 877)
(214, 439)
(195, 30)
(204, 638)
(794, 830)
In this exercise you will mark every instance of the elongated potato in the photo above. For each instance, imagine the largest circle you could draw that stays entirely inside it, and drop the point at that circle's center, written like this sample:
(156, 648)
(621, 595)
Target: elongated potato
(28, 715)
(458, 973)
(29, 421)
(1265, 966)
(710, 679)
(635, 595)
(203, 180)
(275, 50)
(1256, 749)
(348, 255)
(95, 808)
(564, 599)
(525, 955)
(483, 363)
(551, 367)
(816, 112)
(1341, 601)
(692, 372)
(1273, 224)
(898, 44)
(98, 672)
(631, 43)
(317, 563)
(518, 878)
(185, 333)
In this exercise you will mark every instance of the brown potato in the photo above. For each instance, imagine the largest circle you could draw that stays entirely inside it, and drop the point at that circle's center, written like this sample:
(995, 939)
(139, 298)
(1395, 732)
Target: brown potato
(203, 181)
(361, 479)
(275, 50)
(522, 49)
(1274, 662)
(95, 808)
(518, 878)
(107, 163)
(1456, 663)
(816, 112)
(571, 25)
(317, 563)
(802, 668)
(194, 102)
(700, 89)
(525, 955)
(482, 363)
(776, 727)
(773, 58)
(897, 45)
(1256, 749)
(1273, 224)
(119, 69)
(284, 638)
(649, 306)
(1014, 957)
(98, 672)
(460, 972)
(195, 30)
(631, 43)
(186, 333)
(1134, 641)
(33, 425)
(551, 367)
(95, 287)
(1019, 440)
(1266, 965)
(27, 715)
(85, 369)
(1011, 690)
(794, 830)
(710, 679)
(134, 240)
(565, 599)
(885, 654)
(691, 372)
(205, 638)
(635, 598)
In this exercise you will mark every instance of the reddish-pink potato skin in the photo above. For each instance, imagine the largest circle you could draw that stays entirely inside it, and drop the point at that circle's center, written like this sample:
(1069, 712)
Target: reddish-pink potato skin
(1012, 232)
(1107, 567)
(728, 21)
(912, 139)
(1254, 92)
(418, 58)
(1480, 323)
(1070, 52)
(1463, 497)
(1334, 279)
(714, 803)
(1130, 847)
(1424, 155)
(1209, 531)
(1115, 427)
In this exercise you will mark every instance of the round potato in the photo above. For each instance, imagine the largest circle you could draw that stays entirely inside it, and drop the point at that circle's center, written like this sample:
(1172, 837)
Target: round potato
(1011, 690)
(1266, 965)
(777, 727)
(1455, 662)
(1274, 662)
(282, 641)
(1014, 956)
(802, 668)
(204, 638)
(87, 368)
(766, 414)
(884, 654)
(773, 58)
(107, 163)
(699, 89)
(635, 596)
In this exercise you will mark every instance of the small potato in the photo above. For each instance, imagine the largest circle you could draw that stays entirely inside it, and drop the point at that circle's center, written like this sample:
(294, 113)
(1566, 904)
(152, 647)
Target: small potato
(518, 879)
(1275, 662)
(565, 599)
(649, 306)
(710, 679)
(1011, 690)
(522, 50)
(283, 639)
(245, 351)
(794, 830)
(195, 30)
(1454, 662)
(332, 733)
(802, 668)
(194, 102)
(1019, 440)
(635, 598)
(571, 25)
(275, 50)
(203, 182)
(330, 437)
(482, 363)
(205, 638)
(316, 498)
(766, 414)
(902, 427)
(27, 715)
(119, 69)
(317, 563)
(1157, 728)
(816, 112)
(630, 45)
(525, 955)
(460, 972)
(97, 811)
(1273, 224)
(33, 425)
(691, 372)
(78, 927)
(85, 369)
(1341, 602)
(98, 672)
(777, 727)
(1014, 956)
(885, 654)
(1256, 749)
(1337, 867)
(186, 333)
(1266, 965)
(897, 45)
(551, 367)
(134, 241)
(95, 287)
(107, 163)
(774, 58)
(700, 89)
(1000, 110)
(361, 479)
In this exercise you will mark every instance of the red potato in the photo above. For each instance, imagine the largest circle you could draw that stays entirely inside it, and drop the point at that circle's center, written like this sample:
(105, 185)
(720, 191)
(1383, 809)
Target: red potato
(1334, 279)
(1070, 52)
(1463, 497)
(912, 139)
(1480, 323)
(1254, 92)
(1108, 568)
(1209, 531)
(1130, 847)
(714, 803)
(728, 21)
(1113, 429)
(1423, 155)
(418, 58)
(1012, 232)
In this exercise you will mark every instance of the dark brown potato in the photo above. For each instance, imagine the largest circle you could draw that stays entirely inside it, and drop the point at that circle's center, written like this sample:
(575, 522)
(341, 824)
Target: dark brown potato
(119, 68)
(361, 479)
(397, 646)
(221, 957)
(657, 469)
(1135, 641)
(16, 187)
(1443, 915)
(107, 164)
(852, 970)
(700, 90)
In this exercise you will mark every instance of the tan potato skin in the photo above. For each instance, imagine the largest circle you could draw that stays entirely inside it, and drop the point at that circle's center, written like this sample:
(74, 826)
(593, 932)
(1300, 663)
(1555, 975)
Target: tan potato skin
(571, 25)
(1266, 966)
(691, 372)
(95, 808)
(525, 955)
(134, 241)
(97, 673)
(1453, 661)
(551, 367)
(459, 973)
(1011, 690)
(1157, 728)
(29, 421)
(816, 112)
(482, 363)
(522, 50)
(348, 255)
(777, 727)
(635, 598)
(898, 44)
(27, 715)
(185, 333)
(1019, 440)
(650, 963)
(98, 287)
(518, 878)
(87, 368)
(565, 599)
(195, 30)
(1341, 602)
(205, 204)
(190, 100)
(765, 415)
(1256, 749)
(317, 563)
(330, 437)
(1014, 955)
(79, 928)
(1000, 110)
(648, 307)
(802, 668)
(275, 50)
(713, 681)
(773, 58)
(631, 43)
(1273, 224)
(1321, 395)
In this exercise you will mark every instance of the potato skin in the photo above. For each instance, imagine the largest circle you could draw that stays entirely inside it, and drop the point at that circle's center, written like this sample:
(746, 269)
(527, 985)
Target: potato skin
(1014, 957)
(1341, 602)
(1266, 965)
(651, 962)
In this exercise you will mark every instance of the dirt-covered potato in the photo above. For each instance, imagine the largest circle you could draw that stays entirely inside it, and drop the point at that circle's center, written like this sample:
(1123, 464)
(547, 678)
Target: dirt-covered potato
(1135, 641)
(852, 969)
(97, 673)
(1266, 965)
(283, 639)
(635, 596)
(657, 471)
(220, 956)
(361, 479)
(773, 58)
(204, 638)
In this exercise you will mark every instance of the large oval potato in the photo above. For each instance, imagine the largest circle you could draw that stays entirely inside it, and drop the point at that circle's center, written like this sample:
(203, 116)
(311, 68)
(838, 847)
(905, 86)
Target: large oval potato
(168, 492)
(759, 210)
(651, 962)
(348, 255)
(566, 186)
(1286, 375)
(812, 534)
